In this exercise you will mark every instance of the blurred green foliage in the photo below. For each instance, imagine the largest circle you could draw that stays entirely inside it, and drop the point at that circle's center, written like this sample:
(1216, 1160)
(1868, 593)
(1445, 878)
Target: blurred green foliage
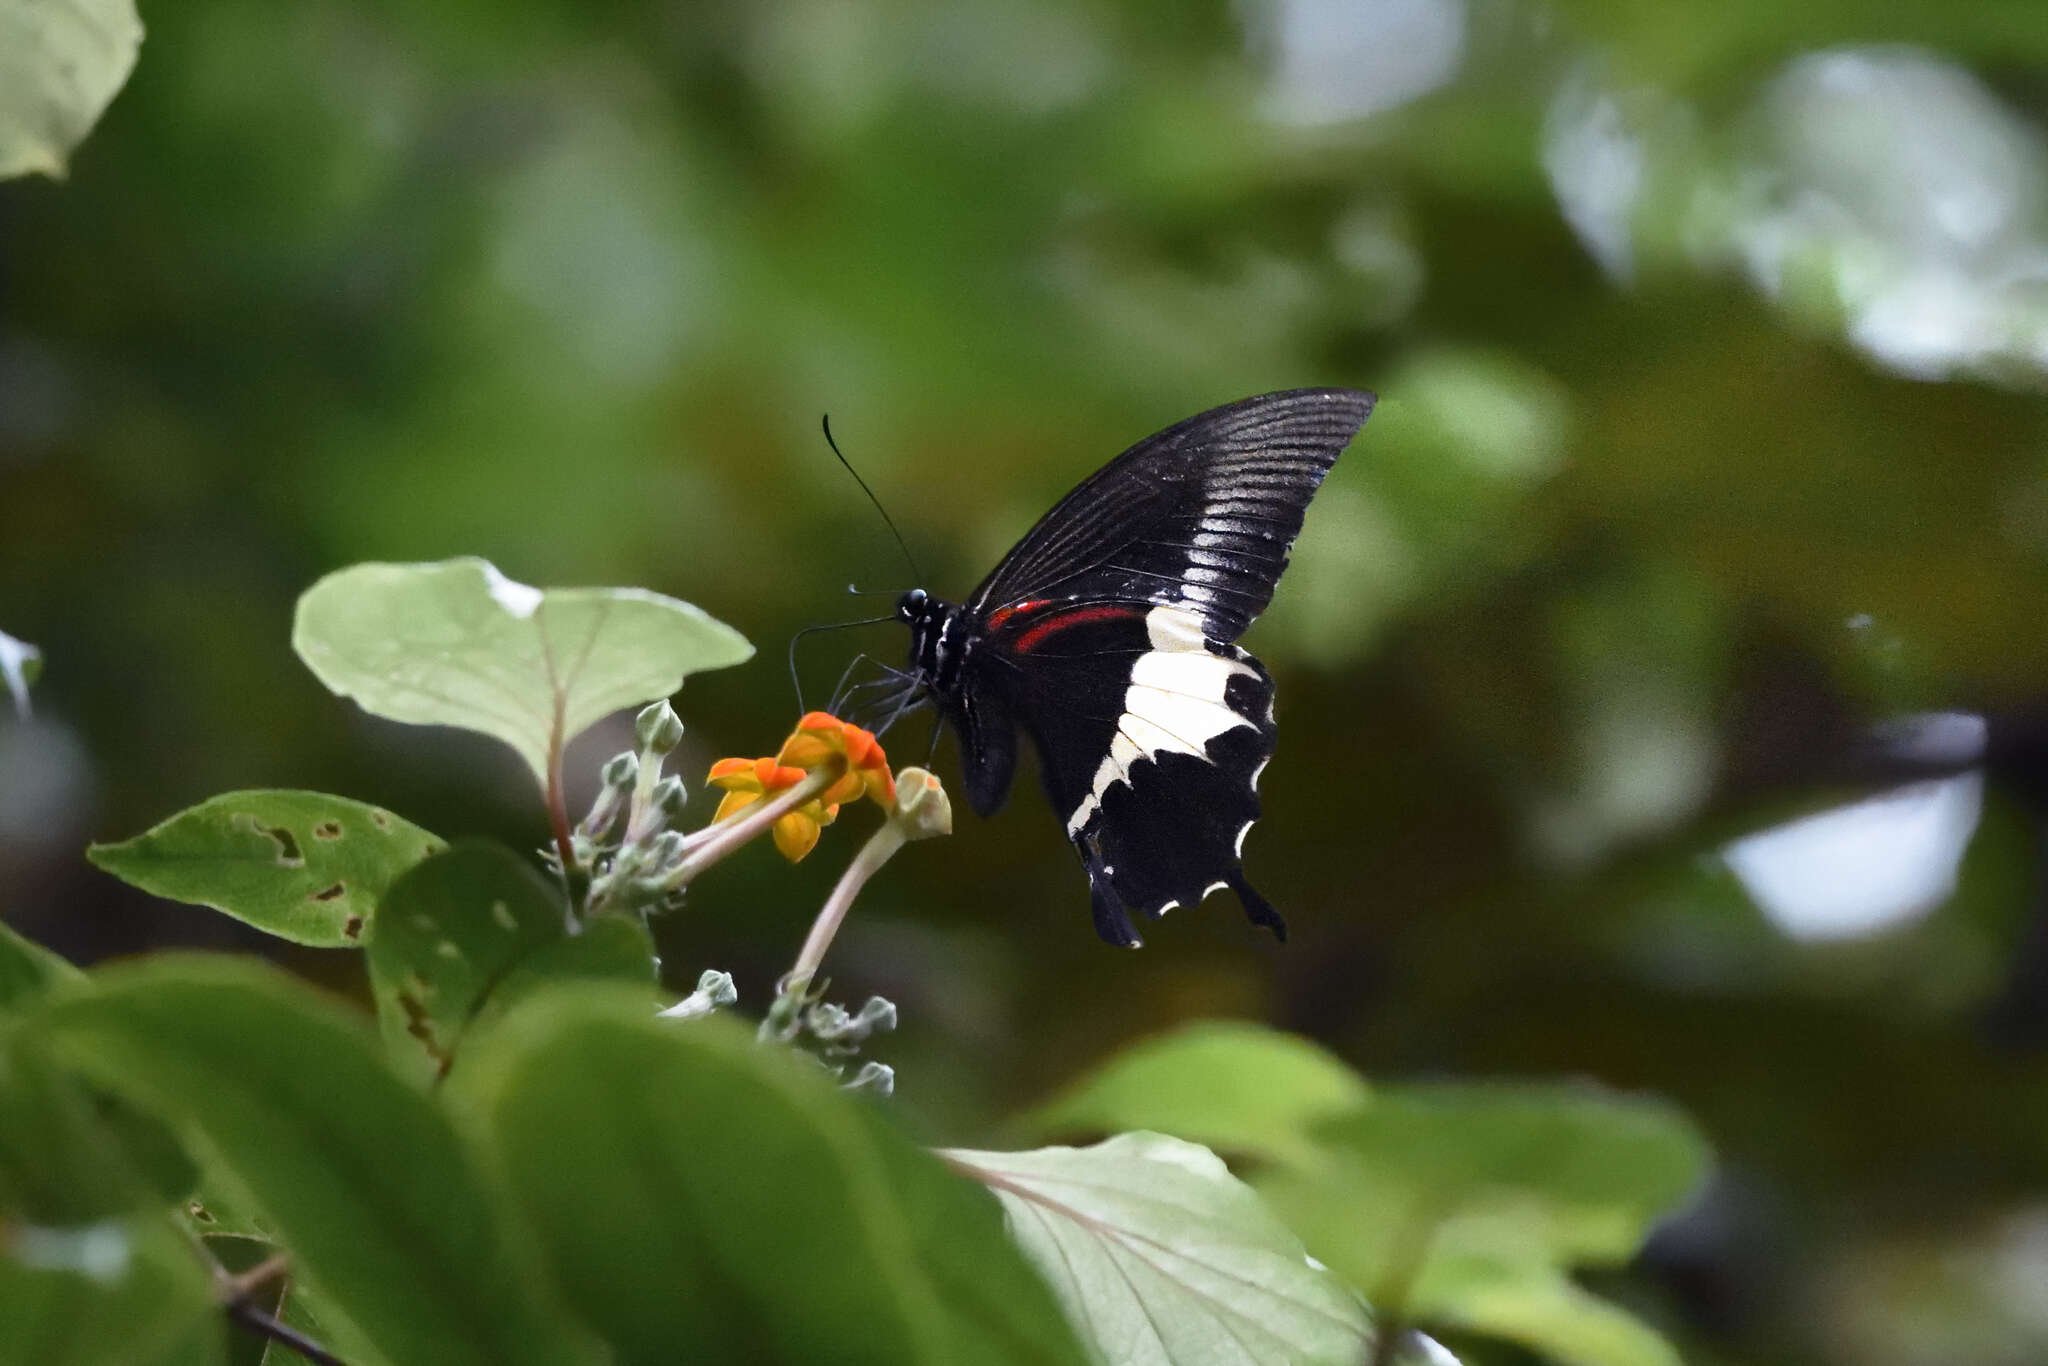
(1710, 423)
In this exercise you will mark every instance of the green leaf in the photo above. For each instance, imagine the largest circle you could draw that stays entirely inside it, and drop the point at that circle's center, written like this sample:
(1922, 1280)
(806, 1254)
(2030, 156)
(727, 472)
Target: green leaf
(1482, 1271)
(61, 63)
(27, 969)
(1721, 41)
(20, 662)
(289, 1102)
(1602, 1166)
(289, 1299)
(1237, 1087)
(475, 924)
(697, 1192)
(447, 932)
(116, 1293)
(303, 866)
(610, 948)
(216, 1213)
(1163, 1258)
(459, 644)
(1467, 1206)
(299, 1309)
(60, 1162)
(67, 1153)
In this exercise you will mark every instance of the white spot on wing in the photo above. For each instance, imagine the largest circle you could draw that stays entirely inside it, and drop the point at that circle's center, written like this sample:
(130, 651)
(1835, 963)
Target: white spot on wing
(1175, 631)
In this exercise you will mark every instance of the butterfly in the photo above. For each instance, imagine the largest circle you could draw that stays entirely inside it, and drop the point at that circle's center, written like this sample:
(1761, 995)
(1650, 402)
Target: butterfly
(1108, 636)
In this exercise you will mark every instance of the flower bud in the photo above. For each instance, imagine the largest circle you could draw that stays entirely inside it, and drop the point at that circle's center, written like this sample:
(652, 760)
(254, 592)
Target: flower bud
(618, 775)
(827, 1022)
(667, 798)
(664, 849)
(714, 991)
(718, 987)
(877, 1077)
(922, 808)
(658, 728)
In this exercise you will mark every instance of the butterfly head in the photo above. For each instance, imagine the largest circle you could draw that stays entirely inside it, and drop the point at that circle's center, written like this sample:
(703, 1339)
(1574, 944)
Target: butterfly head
(912, 606)
(940, 637)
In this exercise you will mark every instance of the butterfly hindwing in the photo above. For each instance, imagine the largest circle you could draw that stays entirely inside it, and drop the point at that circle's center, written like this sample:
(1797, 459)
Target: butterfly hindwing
(1151, 737)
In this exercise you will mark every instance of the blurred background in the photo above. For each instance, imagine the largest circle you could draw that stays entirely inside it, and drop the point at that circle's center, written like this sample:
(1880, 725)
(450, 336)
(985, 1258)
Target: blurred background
(1712, 342)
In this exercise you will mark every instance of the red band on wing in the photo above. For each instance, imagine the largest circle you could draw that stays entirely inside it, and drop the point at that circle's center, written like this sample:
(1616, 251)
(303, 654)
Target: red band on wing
(1027, 607)
(1060, 621)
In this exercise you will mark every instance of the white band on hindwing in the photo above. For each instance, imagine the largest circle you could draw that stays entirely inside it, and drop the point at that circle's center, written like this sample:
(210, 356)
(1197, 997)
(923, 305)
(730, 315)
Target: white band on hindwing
(1176, 702)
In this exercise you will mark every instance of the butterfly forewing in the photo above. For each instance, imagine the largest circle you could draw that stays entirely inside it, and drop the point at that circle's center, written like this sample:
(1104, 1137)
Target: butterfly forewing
(1201, 515)
(1109, 635)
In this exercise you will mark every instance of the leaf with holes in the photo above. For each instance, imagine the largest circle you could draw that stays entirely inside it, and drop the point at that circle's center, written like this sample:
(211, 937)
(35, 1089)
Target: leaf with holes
(289, 1099)
(466, 924)
(1163, 1258)
(459, 644)
(303, 866)
(61, 63)
(700, 1196)
(1238, 1087)
(1469, 1205)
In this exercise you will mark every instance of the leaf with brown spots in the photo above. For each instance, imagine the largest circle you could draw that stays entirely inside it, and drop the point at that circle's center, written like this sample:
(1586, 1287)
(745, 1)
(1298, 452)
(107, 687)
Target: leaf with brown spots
(304, 866)
(469, 924)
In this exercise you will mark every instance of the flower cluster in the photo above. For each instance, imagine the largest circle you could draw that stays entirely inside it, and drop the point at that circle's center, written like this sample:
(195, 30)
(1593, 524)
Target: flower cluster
(820, 743)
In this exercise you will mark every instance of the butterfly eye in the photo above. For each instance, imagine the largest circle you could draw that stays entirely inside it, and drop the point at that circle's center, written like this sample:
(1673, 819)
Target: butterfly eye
(911, 605)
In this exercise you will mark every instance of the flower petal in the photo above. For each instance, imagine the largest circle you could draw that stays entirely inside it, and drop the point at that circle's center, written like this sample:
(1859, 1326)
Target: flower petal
(735, 774)
(796, 835)
(735, 802)
(806, 749)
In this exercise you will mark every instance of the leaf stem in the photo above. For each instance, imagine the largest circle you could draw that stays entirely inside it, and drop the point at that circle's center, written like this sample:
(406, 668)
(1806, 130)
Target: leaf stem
(558, 811)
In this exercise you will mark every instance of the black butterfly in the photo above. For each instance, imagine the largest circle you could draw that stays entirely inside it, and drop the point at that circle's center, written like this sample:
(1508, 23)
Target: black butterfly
(1108, 635)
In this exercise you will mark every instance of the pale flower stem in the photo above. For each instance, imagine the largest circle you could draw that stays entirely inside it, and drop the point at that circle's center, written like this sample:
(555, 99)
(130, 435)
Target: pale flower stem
(880, 848)
(726, 836)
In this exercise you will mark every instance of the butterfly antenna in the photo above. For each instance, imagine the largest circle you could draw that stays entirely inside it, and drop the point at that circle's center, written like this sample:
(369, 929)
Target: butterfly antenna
(901, 544)
(796, 682)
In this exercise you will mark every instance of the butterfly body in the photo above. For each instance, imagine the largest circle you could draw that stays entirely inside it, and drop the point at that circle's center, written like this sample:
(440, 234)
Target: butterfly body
(1108, 636)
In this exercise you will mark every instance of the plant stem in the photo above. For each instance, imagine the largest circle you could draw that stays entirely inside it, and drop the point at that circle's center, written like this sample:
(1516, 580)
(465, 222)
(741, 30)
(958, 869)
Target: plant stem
(716, 841)
(246, 1314)
(558, 806)
(237, 1292)
(880, 848)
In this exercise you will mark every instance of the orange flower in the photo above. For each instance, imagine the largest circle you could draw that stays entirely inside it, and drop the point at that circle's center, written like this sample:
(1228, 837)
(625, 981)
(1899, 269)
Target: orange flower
(821, 737)
(747, 781)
